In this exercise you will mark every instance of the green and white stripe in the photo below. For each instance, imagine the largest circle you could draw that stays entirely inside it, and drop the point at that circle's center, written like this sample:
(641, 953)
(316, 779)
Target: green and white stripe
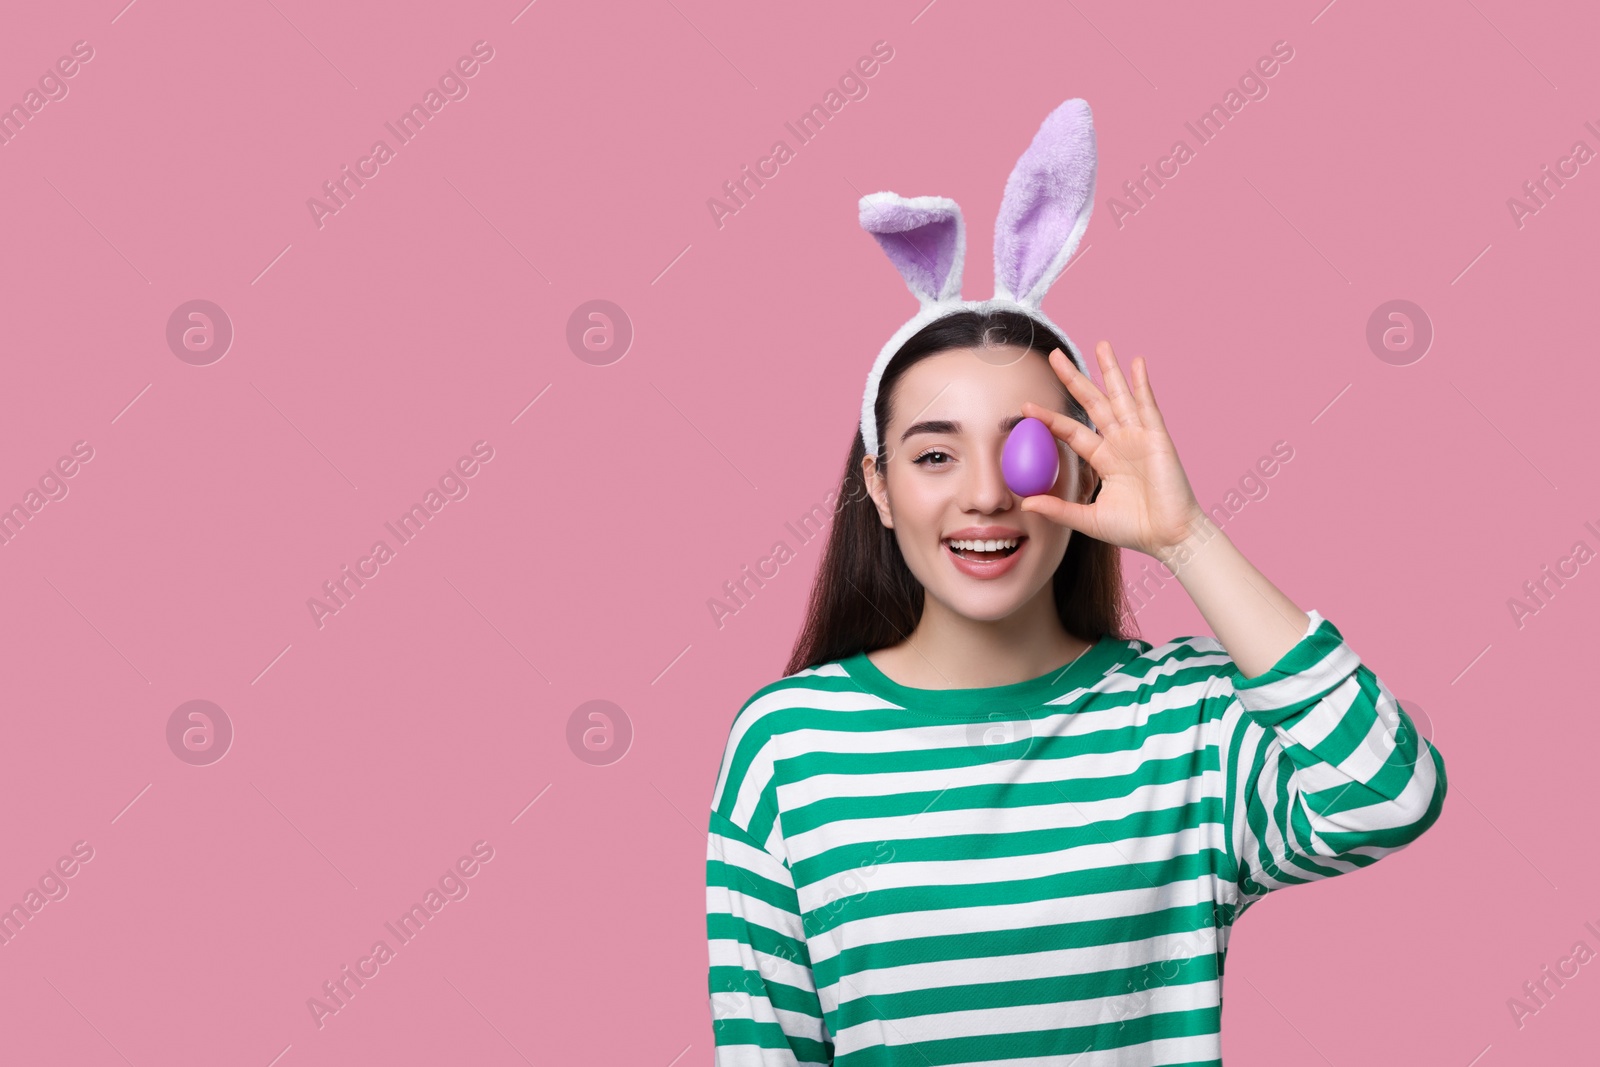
(1036, 874)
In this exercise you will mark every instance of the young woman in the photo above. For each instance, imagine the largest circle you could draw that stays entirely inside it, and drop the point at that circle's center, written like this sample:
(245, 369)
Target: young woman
(977, 821)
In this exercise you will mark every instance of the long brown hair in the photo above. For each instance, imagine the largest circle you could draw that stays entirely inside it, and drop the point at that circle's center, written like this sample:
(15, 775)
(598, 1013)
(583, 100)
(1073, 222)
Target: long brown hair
(866, 598)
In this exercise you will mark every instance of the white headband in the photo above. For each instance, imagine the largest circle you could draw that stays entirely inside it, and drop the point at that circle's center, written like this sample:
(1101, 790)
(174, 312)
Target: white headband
(1042, 217)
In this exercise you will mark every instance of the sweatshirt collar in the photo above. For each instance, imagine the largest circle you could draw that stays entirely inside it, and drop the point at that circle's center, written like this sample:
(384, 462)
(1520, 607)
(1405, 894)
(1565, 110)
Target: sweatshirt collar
(1086, 670)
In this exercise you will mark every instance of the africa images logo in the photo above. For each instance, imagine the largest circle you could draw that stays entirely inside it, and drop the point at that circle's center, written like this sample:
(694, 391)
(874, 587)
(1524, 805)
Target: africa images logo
(452, 86)
(453, 885)
(340, 590)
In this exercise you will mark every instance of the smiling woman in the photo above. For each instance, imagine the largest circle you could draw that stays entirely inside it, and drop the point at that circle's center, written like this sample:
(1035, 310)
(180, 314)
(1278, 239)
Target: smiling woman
(976, 821)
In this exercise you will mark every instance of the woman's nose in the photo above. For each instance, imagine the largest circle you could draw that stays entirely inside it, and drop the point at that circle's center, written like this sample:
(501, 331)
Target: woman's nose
(984, 487)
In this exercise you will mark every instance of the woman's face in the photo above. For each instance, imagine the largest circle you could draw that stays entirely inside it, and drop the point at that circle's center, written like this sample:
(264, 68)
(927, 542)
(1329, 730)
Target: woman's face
(942, 486)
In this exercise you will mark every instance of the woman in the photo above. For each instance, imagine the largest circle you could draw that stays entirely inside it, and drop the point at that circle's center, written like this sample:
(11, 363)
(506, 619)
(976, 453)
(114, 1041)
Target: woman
(976, 822)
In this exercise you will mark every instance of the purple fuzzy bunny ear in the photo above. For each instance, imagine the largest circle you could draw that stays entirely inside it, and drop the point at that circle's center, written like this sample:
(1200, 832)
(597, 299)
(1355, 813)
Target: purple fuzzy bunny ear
(924, 237)
(1046, 205)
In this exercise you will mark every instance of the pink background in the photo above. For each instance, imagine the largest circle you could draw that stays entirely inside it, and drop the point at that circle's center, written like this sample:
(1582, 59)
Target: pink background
(370, 353)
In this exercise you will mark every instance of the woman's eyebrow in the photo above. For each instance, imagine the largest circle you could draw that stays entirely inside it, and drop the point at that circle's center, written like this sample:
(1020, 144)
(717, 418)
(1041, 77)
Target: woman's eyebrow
(951, 426)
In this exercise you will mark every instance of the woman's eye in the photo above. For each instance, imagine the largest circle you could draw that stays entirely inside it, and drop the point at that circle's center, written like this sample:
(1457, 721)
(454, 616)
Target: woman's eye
(928, 455)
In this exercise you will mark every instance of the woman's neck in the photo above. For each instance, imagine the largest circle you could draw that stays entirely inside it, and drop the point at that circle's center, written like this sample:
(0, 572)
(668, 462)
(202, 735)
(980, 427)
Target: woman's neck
(951, 651)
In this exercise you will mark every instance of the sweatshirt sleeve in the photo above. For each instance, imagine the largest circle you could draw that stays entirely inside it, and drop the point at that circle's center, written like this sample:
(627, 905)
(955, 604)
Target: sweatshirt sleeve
(1326, 772)
(764, 1006)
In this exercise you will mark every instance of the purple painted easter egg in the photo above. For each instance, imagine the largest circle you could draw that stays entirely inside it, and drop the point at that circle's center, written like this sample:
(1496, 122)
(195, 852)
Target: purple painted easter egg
(1031, 459)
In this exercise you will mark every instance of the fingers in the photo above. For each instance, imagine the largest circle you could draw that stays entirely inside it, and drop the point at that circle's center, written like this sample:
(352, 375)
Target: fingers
(1077, 436)
(1066, 513)
(1082, 387)
(1148, 411)
(1122, 402)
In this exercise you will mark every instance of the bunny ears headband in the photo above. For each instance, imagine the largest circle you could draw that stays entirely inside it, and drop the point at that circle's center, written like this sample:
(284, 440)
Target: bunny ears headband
(1042, 217)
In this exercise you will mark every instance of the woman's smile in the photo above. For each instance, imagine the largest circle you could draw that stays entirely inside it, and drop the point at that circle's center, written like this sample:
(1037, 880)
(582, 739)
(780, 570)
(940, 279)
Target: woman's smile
(984, 552)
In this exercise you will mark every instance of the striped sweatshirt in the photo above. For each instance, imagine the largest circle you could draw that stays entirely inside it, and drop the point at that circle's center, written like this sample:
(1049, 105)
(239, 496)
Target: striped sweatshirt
(1043, 873)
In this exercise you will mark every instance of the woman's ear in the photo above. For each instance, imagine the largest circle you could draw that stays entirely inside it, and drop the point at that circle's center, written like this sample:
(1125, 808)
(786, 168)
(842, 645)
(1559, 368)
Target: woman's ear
(1094, 482)
(878, 486)
(1088, 483)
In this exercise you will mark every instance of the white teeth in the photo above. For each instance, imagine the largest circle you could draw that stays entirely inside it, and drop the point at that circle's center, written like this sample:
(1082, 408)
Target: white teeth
(985, 546)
